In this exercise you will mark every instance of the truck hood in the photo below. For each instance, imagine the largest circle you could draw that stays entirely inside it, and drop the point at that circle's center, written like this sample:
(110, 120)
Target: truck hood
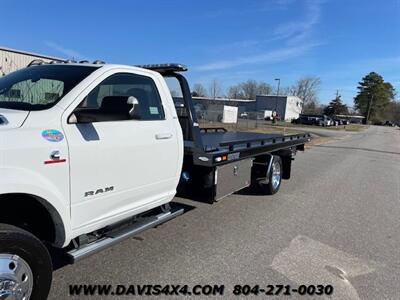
(10, 118)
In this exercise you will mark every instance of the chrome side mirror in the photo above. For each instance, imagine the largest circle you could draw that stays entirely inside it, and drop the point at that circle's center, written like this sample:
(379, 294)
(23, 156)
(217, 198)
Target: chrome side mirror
(79, 117)
(134, 102)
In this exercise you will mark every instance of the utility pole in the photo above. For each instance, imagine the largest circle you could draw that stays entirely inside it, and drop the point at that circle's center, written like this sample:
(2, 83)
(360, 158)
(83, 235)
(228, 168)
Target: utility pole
(276, 101)
(279, 84)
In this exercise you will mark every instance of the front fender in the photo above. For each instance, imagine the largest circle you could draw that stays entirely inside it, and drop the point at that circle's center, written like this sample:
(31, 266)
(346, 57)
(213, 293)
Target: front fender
(24, 181)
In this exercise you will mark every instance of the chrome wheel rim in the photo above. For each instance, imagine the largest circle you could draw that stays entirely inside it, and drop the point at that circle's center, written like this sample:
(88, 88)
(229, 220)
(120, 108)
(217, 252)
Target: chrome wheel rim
(276, 174)
(16, 278)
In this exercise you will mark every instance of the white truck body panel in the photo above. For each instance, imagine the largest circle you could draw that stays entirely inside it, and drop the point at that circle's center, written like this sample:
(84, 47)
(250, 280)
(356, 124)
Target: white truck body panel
(24, 151)
(12, 118)
(140, 159)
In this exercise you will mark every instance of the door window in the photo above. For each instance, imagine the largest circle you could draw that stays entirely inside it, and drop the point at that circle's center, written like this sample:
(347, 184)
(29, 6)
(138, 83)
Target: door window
(122, 97)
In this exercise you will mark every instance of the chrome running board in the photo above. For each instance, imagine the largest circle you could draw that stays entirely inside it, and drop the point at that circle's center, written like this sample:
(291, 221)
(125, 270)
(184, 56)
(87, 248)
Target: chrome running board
(116, 237)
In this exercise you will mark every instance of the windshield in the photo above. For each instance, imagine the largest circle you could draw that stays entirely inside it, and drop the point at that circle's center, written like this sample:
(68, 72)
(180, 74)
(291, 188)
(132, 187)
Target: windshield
(40, 87)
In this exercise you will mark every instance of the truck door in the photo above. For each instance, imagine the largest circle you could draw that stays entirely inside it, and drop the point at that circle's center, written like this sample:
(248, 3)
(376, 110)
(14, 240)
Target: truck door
(123, 155)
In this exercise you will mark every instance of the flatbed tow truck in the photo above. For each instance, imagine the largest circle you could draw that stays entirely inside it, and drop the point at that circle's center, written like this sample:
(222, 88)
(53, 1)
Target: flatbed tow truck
(92, 154)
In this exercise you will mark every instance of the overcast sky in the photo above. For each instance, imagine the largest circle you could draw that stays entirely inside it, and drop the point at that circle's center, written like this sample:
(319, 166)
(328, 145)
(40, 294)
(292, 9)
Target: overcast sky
(339, 41)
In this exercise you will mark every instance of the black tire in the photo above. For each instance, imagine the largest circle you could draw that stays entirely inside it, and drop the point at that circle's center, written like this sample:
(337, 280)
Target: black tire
(269, 188)
(14, 240)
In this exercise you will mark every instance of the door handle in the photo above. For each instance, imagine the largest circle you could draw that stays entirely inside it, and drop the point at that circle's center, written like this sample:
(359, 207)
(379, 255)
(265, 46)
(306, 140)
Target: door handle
(163, 136)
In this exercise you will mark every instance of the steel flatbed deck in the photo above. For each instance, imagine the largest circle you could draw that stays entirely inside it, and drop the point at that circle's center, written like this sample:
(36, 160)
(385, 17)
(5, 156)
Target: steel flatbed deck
(218, 142)
(232, 140)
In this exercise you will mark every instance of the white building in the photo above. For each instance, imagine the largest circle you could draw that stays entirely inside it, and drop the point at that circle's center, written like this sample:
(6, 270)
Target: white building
(12, 60)
(288, 107)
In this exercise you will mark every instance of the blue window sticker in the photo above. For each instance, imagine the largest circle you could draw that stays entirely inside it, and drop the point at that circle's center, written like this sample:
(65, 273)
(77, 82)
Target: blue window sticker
(52, 135)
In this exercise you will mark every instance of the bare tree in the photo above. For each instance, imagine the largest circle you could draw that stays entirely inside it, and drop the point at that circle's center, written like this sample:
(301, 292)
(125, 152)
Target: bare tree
(235, 92)
(283, 91)
(264, 88)
(198, 90)
(307, 89)
(214, 89)
(249, 89)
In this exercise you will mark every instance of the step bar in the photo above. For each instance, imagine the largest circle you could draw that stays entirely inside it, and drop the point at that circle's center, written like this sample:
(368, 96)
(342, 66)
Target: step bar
(108, 241)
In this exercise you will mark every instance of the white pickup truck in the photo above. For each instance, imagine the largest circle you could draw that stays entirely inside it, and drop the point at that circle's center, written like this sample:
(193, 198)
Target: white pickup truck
(91, 154)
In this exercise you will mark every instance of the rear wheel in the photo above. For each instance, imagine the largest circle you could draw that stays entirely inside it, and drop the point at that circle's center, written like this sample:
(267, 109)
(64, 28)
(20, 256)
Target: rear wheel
(25, 265)
(274, 176)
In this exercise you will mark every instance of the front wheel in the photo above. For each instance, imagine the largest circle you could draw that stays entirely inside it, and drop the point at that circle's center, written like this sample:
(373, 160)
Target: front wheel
(25, 265)
(274, 176)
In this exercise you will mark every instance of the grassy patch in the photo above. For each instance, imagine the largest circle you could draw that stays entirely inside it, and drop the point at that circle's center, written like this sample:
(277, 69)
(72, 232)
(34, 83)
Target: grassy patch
(355, 127)
(318, 141)
(262, 128)
(350, 127)
(265, 127)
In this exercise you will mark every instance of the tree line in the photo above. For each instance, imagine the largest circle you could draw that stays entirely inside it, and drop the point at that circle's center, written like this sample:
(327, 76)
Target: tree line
(375, 99)
(305, 88)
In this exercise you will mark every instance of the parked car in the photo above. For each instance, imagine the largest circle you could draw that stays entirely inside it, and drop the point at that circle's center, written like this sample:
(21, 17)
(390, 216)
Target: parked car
(335, 122)
(389, 123)
(268, 114)
(324, 120)
(314, 119)
(338, 121)
(304, 119)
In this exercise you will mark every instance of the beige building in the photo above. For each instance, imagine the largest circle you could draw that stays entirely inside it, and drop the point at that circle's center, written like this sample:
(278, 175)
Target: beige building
(12, 60)
(45, 89)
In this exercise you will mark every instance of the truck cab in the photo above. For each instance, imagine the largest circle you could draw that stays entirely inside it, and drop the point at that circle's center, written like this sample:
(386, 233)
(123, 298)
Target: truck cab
(84, 146)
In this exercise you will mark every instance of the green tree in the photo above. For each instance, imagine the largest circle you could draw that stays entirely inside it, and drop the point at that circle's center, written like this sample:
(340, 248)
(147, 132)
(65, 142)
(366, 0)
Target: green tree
(392, 112)
(336, 107)
(374, 95)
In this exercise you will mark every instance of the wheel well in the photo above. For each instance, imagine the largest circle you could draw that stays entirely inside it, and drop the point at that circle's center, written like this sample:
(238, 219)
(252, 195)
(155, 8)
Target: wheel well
(27, 212)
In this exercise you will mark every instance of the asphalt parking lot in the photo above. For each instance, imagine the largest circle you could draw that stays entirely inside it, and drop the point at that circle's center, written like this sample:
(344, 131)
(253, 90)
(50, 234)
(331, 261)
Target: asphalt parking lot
(337, 221)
